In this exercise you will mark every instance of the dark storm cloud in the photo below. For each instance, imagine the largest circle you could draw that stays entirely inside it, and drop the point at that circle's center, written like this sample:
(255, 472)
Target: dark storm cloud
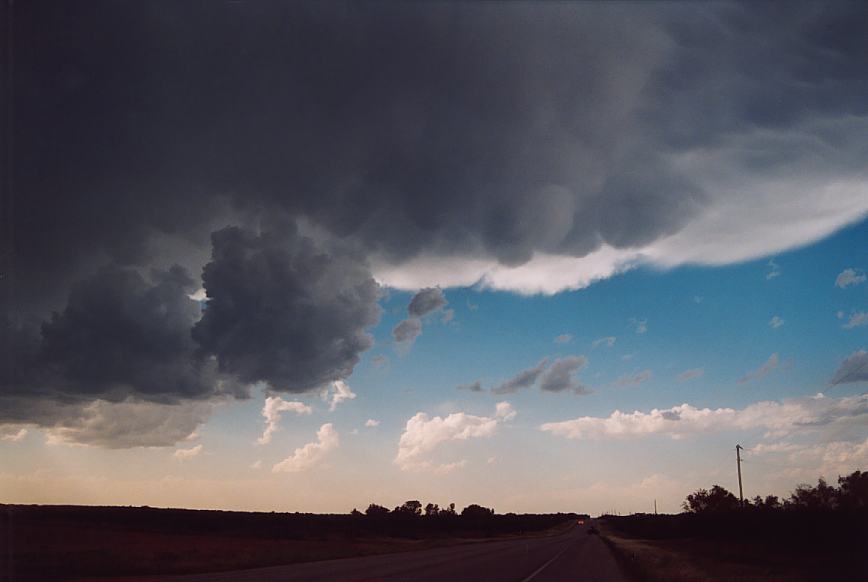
(471, 130)
(282, 311)
(120, 336)
(426, 301)
(524, 379)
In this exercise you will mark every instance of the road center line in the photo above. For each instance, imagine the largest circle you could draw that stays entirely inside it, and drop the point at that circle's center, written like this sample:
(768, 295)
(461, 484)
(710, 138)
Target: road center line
(544, 566)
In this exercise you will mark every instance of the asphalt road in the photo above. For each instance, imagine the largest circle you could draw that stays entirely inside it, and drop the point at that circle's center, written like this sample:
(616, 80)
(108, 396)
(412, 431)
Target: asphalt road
(574, 555)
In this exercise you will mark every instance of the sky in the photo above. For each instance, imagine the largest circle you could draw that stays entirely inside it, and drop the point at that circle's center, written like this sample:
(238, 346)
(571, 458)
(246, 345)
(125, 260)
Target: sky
(548, 257)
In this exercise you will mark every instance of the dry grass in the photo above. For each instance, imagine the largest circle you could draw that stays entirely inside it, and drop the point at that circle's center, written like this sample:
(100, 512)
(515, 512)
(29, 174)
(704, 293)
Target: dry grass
(691, 560)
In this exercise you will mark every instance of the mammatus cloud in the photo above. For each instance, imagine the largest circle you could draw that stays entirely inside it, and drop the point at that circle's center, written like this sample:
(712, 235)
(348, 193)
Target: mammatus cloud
(274, 406)
(762, 371)
(340, 392)
(849, 277)
(187, 454)
(857, 319)
(640, 326)
(776, 321)
(564, 338)
(422, 434)
(776, 418)
(524, 379)
(633, 379)
(853, 369)
(371, 423)
(691, 374)
(604, 341)
(311, 454)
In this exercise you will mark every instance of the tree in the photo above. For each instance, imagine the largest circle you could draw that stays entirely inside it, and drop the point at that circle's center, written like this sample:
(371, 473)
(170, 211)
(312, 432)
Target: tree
(411, 508)
(474, 511)
(716, 500)
(449, 510)
(823, 496)
(432, 510)
(853, 490)
(375, 510)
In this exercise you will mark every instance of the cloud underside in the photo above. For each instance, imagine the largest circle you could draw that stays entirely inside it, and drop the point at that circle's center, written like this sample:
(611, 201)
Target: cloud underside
(527, 149)
(786, 417)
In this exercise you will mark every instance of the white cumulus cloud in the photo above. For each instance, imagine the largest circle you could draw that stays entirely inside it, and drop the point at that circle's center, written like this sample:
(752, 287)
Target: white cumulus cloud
(274, 406)
(849, 277)
(311, 454)
(422, 434)
(186, 454)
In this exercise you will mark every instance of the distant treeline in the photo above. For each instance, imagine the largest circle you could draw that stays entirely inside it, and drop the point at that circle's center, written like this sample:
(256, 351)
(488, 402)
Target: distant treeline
(851, 493)
(409, 520)
(821, 518)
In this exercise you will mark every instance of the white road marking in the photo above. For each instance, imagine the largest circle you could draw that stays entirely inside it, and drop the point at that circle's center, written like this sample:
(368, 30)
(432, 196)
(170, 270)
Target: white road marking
(544, 566)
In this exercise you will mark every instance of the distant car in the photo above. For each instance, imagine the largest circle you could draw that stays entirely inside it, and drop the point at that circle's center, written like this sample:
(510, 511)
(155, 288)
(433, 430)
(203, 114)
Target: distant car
(581, 522)
(593, 531)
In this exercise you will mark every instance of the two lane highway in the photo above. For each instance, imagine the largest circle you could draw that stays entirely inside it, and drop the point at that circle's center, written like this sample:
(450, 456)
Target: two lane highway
(573, 555)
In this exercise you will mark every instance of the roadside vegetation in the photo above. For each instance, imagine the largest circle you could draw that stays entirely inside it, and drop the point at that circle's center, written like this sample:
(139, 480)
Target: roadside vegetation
(819, 533)
(51, 542)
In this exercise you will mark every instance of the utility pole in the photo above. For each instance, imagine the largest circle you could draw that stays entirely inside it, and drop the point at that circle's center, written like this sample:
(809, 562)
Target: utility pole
(738, 449)
(655, 507)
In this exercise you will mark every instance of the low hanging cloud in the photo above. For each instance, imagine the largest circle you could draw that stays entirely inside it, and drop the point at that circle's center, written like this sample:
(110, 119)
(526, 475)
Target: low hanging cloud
(849, 277)
(423, 434)
(633, 379)
(187, 454)
(274, 406)
(691, 374)
(776, 418)
(311, 454)
(852, 370)
(770, 365)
